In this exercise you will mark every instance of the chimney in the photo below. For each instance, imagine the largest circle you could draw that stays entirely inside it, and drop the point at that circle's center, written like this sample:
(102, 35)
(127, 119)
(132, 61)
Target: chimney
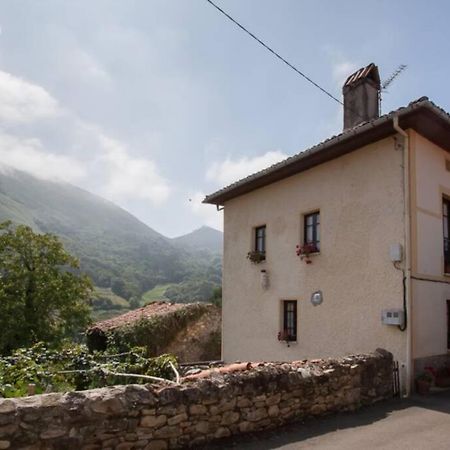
(361, 96)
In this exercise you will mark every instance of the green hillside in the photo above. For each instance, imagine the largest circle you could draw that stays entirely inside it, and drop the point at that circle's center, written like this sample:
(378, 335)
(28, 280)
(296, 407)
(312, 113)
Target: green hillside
(204, 238)
(157, 293)
(120, 253)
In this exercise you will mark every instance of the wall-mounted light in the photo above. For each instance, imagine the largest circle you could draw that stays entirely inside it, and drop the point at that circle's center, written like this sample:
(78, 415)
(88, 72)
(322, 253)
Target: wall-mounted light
(264, 280)
(317, 298)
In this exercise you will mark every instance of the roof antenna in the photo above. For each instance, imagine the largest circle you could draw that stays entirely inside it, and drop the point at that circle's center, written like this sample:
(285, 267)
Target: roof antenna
(386, 83)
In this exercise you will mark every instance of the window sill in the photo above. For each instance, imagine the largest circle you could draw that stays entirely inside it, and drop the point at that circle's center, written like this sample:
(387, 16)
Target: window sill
(310, 255)
(259, 263)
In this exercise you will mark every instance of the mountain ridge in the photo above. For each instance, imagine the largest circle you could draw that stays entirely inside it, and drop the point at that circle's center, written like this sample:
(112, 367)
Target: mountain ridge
(203, 237)
(115, 248)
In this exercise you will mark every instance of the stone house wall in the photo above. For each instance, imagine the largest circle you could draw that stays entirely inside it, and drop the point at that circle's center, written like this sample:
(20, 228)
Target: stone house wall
(152, 417)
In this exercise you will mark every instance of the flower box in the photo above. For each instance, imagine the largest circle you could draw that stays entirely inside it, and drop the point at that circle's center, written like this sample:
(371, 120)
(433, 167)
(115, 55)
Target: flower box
(305, 250)
(256, 257)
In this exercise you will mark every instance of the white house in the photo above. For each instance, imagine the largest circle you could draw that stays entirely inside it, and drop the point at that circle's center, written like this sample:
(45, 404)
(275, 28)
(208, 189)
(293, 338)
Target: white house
(372, 205)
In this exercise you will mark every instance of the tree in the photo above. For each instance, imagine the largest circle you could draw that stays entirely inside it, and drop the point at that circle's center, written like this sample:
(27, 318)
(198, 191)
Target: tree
(216, 298)
(134, 302)
(42, 296)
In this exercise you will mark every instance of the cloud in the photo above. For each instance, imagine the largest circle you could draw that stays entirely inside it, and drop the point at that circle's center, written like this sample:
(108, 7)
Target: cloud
(341, 70)
(130, 177)
(341, 65)
(23, 102)
(29, 156)
(104, 164)
(208, 213)
(81, 65)
(228, 171)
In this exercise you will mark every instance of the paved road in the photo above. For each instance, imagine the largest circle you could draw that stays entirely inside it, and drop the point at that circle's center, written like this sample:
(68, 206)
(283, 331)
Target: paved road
(414, 424)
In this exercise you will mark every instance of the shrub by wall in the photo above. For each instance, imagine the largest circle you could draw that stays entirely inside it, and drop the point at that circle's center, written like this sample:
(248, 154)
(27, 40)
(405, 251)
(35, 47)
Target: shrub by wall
(224, 403)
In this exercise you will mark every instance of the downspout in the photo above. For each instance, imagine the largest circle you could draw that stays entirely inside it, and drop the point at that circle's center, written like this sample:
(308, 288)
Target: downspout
(407, 244)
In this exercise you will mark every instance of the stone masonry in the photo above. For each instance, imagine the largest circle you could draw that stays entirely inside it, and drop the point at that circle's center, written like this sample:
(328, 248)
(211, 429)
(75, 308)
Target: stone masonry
(153, 417)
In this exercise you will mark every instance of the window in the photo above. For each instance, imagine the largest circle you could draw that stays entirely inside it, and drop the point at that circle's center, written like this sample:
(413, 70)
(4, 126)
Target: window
(312, 229)
(260, 239)
(290, 320)
(446, 230)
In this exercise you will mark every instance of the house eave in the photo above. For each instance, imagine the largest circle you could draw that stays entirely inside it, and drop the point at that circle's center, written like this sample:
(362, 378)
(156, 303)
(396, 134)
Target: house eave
(422, 115)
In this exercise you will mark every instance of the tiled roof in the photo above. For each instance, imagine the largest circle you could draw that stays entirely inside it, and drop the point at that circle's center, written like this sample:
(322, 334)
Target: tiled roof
(370, 71)
(434, 124)
(151, 310)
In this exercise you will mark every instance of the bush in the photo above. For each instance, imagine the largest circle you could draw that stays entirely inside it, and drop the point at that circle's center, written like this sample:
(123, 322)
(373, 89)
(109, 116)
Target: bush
(74, 368)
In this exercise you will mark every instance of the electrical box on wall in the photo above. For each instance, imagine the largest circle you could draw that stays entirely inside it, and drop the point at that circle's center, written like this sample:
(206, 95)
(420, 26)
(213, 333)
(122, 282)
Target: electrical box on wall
(393, 317)
(395, 252)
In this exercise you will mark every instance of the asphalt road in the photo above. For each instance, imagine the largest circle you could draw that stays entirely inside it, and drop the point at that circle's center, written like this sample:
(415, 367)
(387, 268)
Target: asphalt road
(416, 423)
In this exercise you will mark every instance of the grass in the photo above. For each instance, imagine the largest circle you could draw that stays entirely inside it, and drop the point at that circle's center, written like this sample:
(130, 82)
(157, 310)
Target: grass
(157, 293)
(120, 305)
(104, 314)
(115, 299)
(106, 304)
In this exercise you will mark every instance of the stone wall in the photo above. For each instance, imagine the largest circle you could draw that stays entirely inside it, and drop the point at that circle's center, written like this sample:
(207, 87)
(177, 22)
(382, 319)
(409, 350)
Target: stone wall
(187, 415)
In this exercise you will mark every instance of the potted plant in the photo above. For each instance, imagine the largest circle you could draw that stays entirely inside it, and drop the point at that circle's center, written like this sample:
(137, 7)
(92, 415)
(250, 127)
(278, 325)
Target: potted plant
(305, 250)
(256, 257)
(424, 382)
(286, 337)
(442, 378)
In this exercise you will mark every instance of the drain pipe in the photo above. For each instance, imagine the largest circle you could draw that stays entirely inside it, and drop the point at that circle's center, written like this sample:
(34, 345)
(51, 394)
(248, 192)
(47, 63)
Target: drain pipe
(407, 268)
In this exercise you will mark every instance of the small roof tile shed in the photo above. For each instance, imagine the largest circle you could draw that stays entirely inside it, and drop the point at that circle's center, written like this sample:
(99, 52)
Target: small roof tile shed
(176, 314)
(421, 115)
(151, 310)
(191, 331)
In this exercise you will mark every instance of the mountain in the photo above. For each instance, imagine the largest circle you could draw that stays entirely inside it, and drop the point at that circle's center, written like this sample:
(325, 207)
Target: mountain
(115, 249)
(204, 238)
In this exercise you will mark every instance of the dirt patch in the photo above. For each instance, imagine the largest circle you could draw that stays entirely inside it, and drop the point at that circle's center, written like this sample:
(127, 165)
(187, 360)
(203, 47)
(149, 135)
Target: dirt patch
(200, 341)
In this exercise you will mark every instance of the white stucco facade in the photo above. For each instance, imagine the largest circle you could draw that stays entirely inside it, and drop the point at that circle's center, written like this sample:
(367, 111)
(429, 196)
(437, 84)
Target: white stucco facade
(431, 183)
(360, 199)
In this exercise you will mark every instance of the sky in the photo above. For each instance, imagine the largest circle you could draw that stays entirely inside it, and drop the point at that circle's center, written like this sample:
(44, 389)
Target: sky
(154, 103)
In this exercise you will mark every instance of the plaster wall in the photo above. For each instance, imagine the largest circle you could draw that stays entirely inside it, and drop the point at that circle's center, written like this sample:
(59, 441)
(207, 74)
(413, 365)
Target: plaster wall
(360, 198)
(431, 181)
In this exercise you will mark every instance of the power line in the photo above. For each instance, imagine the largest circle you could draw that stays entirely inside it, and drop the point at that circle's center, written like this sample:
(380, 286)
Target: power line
(299, 72)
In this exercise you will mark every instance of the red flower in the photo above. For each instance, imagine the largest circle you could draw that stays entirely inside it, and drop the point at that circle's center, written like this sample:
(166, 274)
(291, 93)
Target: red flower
(306, 249)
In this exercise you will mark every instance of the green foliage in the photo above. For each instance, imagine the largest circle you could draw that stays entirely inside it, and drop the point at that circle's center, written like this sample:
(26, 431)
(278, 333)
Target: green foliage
(135, 302)
(104, 298)
(157, 293)
(192, 290)
(153, 333)
(216, 298)
(74, 368)
(99, 315)
(106, 304)
(42, 297)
